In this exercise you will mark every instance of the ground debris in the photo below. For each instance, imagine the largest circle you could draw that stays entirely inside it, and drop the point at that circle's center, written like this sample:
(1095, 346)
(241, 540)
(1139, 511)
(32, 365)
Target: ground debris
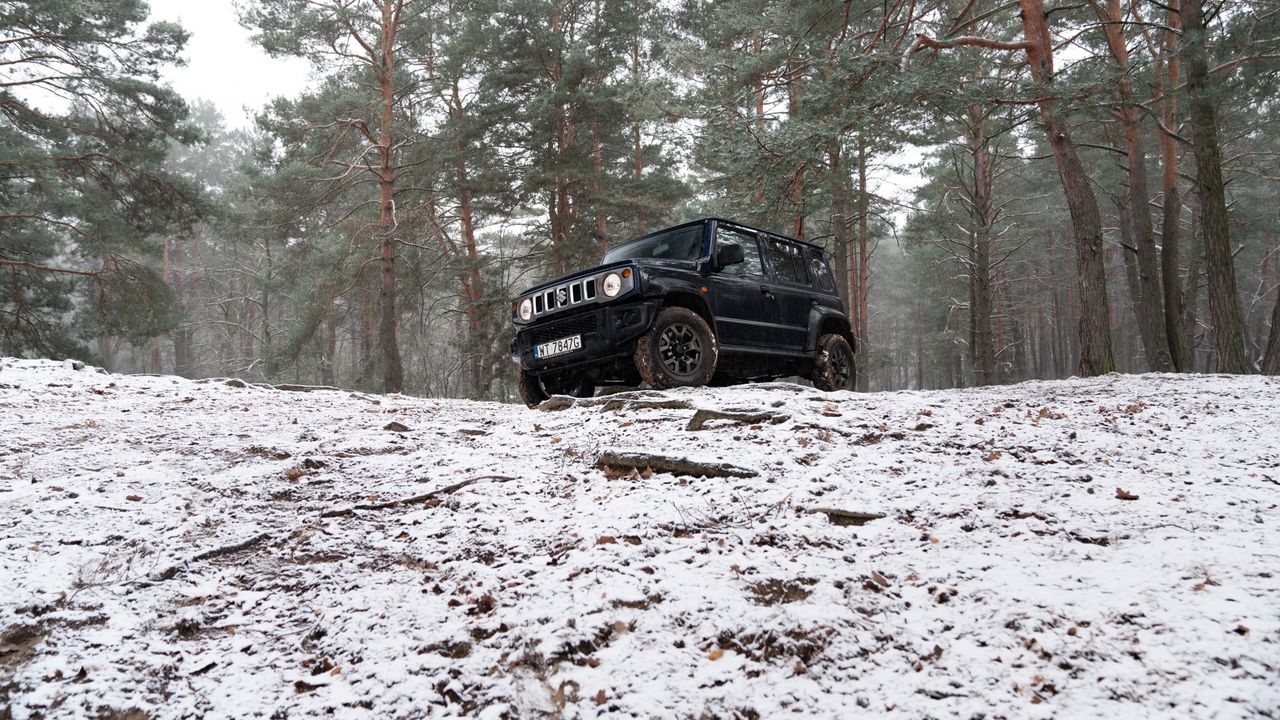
(847, 517)
(304, 543)
(702, 417)
(673, 465)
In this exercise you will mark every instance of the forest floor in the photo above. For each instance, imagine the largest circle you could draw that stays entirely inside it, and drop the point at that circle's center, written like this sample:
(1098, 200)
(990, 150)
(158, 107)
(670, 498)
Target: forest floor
(1081, 548)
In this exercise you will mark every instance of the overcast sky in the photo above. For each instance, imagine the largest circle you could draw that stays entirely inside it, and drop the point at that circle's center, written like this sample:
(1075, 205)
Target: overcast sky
(223, 64)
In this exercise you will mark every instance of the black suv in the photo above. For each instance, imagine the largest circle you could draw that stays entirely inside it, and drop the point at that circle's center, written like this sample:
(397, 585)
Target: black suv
(710, 301)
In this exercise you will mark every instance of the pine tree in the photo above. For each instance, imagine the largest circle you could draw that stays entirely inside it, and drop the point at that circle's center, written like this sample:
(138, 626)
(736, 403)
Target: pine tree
(84, 129)
(361, 119)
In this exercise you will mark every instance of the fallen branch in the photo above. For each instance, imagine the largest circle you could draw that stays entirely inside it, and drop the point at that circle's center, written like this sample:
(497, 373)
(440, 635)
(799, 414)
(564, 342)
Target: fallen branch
(174, 570)
(675, 466)
(303, 388)
(628, 404)
(847, 517)
(701, 418)
(628, 394)
(416, 499)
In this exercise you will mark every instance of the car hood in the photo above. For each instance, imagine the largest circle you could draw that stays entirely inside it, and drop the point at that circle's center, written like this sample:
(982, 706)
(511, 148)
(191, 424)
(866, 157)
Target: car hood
(636, 262)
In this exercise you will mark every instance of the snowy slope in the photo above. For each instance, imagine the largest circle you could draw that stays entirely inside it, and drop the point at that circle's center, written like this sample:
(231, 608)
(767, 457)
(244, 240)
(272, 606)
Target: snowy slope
(192, 549)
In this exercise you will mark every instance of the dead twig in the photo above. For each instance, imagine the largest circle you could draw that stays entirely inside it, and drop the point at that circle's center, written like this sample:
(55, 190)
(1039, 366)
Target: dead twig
(174, 570)
(416, 499)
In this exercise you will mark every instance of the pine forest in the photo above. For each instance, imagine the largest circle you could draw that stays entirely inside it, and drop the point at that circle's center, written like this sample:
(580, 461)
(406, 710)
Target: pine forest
(1008, 190)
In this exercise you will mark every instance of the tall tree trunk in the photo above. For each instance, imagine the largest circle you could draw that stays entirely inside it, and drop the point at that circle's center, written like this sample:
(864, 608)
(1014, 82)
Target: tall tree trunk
(1169, 73)
(560, 199)
(156, 354)
(1096, 355)
(183, 336)
(637, 146)
(330, 352)
(388, 321)
(1148, 303)
(597, 188)
(840, 219)
(471, 288)
(981, 296)
(757, 194)
(1271, 358)
(797, 177)
(367, 310)
(637, 151)
(1224, 303)
(862, 292)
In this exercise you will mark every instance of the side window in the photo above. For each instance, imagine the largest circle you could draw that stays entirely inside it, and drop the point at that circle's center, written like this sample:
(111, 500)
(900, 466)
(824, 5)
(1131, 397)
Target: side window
(787, 261)
(821, 272)
(751, 264)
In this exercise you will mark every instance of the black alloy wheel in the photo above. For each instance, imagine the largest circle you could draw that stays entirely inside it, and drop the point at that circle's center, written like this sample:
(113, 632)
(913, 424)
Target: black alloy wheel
(834, 368)
(679, 350)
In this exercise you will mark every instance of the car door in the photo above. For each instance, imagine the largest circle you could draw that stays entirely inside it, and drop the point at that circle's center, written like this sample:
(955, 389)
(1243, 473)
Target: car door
(792, 292)
(742, 300)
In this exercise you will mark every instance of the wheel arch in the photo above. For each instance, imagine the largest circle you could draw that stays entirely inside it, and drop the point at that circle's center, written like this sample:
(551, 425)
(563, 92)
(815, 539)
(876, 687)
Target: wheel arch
(831, 323)
(690, 300)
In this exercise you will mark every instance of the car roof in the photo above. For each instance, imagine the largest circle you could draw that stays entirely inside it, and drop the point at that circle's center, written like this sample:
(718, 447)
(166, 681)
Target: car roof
(788, 238)
(727, 221)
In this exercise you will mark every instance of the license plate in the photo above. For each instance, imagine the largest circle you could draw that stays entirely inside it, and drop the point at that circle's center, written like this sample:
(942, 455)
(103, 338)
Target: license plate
(558, 347)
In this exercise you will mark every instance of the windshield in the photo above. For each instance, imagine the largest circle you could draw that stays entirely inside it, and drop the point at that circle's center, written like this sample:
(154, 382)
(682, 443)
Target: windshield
(679, 244)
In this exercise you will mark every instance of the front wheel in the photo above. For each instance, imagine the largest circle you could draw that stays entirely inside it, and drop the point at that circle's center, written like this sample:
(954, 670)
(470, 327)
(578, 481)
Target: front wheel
(680, 350)
(537, 389)
(834, 369)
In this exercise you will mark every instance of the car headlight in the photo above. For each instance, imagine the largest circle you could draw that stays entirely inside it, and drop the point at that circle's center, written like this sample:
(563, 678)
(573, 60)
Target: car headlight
(612, 284)
(526, 309)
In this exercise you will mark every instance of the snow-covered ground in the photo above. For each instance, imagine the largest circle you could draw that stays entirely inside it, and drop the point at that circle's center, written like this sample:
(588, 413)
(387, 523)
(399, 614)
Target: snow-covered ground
(1083, 548)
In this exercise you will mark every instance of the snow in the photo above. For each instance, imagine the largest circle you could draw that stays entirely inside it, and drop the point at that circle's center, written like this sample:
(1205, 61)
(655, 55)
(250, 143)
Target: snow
(1007, 577)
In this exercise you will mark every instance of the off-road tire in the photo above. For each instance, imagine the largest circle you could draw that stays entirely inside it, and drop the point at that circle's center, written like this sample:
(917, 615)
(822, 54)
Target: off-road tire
(534, 390)
(679, 350)
(834, 369)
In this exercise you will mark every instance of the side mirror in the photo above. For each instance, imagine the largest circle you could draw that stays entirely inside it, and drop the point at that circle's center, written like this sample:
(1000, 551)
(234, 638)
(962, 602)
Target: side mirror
(730, 255)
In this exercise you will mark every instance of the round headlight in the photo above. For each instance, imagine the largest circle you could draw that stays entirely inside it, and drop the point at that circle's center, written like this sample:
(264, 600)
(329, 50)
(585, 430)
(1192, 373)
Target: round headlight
(612, 284)
(526, 309)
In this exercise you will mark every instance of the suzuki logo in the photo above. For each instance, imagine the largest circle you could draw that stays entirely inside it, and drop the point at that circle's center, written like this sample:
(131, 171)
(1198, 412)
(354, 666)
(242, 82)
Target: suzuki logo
(562, 296)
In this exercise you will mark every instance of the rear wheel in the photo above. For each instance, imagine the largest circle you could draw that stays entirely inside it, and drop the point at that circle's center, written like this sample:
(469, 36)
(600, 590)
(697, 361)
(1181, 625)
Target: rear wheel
(833, 370)
(680, 350)
(536, 389)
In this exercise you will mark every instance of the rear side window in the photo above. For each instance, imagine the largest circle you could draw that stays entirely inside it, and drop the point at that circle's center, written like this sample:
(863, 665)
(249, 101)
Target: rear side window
(821, 272)
(787, 261)
(751, 263)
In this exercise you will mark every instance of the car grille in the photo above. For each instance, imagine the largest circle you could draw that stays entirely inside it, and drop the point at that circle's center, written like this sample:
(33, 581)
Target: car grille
(563, 296)
(577, 325)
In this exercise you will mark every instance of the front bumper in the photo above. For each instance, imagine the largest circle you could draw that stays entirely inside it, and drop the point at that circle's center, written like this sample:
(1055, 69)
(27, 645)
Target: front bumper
(608, 333)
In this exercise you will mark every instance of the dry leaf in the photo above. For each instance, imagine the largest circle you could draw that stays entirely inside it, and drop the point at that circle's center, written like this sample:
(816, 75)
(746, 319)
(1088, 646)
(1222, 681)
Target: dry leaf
(715, 654)
(1125, 495)
(994, 455)
(600, 698)
(606, 540)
